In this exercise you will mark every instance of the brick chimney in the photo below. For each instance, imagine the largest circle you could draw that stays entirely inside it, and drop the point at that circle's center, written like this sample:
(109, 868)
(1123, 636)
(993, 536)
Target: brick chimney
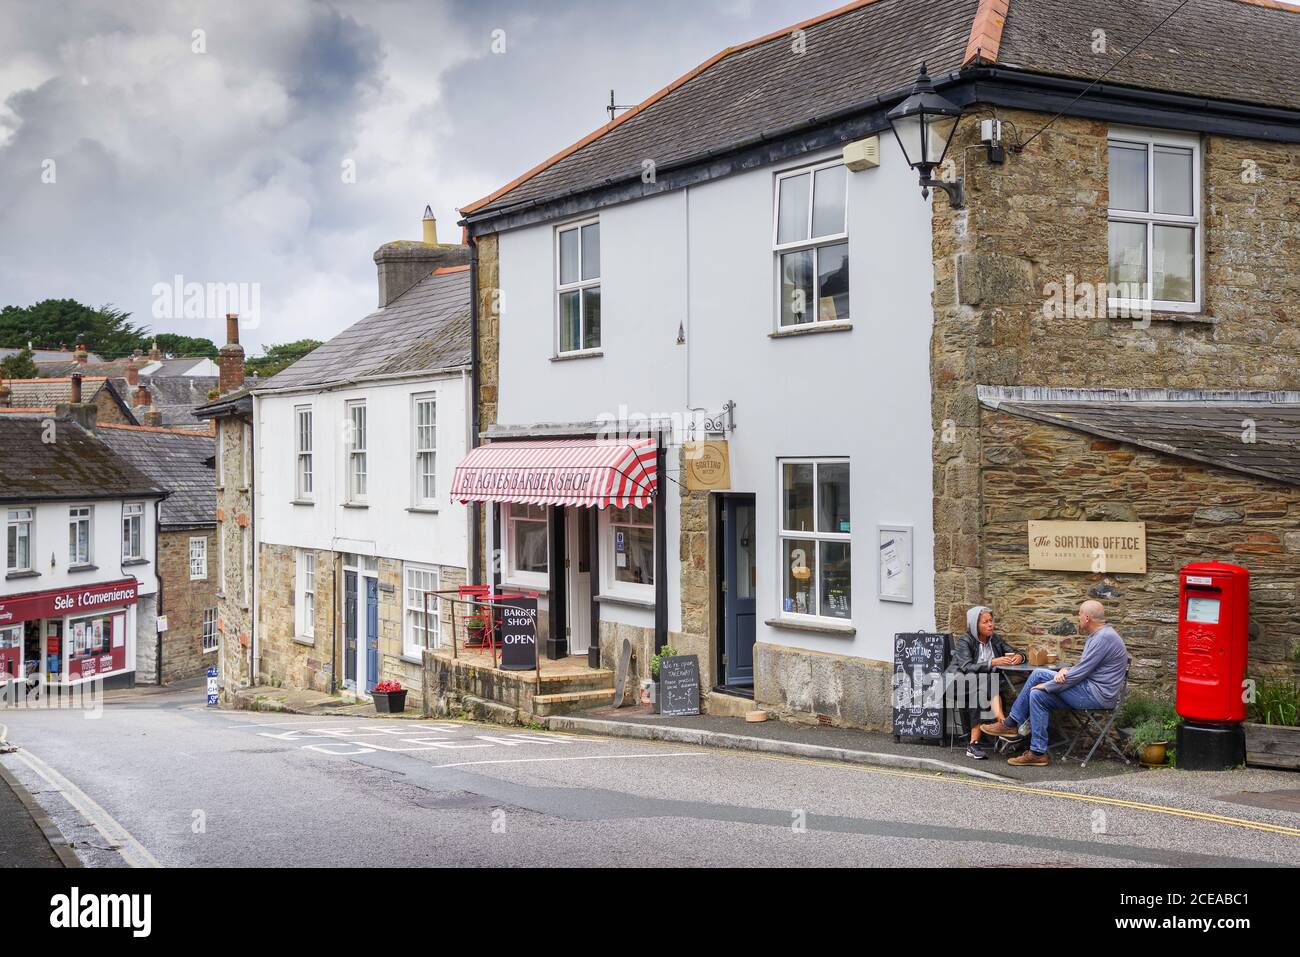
(76, 388)
(402, 264)
(80, 355)
(85, 414)
(152, 417)
(140, 397)
(5, 393)
(230, 360)
(154, 352)
(132, 373)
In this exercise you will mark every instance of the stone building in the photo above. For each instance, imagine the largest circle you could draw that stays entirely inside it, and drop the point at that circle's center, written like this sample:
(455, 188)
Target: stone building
(1068, 341)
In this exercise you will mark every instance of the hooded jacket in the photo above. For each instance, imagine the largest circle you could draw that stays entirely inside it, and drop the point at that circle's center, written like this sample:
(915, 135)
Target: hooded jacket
(966, 649)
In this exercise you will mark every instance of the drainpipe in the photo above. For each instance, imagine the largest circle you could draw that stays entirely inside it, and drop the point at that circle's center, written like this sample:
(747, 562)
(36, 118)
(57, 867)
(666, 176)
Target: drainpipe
(334, 626)
(157, 574)
(661, 545)
(476, 510)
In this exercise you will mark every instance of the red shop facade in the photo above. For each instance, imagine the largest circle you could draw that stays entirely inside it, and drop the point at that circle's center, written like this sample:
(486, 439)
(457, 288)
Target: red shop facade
(72, 635)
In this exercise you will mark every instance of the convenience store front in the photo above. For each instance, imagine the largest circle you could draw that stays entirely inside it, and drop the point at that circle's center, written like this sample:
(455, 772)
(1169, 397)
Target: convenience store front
(69, 636)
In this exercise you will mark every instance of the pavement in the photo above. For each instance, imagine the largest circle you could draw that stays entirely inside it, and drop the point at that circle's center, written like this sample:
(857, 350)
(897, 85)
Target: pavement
(28, 838)
(297, 701)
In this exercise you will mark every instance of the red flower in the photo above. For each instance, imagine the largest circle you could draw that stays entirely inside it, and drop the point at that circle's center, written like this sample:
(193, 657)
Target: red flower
(387, 687)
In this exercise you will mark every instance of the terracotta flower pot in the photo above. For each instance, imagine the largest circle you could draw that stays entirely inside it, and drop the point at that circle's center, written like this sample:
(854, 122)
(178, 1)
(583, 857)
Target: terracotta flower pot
(1154, 754)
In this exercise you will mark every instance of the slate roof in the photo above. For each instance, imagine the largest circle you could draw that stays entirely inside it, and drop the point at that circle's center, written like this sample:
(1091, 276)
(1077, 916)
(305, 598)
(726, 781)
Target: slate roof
(76, 465)
(176, 461)
(61, 368)
(46, 393)
(175, 398)
(46, 355)
(1205, 431)
(1230, 50)
(423, 330)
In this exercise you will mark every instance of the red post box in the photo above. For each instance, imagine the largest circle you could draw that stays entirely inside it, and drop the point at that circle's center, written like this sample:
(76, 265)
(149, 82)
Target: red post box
(1213, 618)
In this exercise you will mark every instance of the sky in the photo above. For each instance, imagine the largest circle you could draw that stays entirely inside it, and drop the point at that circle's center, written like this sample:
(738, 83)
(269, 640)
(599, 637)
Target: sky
(274, 145)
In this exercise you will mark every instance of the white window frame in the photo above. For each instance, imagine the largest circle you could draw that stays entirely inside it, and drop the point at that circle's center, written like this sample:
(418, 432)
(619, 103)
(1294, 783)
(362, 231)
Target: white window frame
(609, 583)
(510, 574)
(305, 593)
(1153, 139)
(561, 288)
(304, 460)
(17, 518)
(418, 451)
(133, 514)
(814, 536)
(198, 550)
(357, 453)
(413, 614)
(76, 515)
(814, 243)
(208, 638)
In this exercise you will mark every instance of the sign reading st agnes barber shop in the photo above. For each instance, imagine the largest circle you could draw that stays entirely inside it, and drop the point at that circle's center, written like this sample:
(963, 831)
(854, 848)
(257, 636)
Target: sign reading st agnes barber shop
(1088, 546)
(518, 631)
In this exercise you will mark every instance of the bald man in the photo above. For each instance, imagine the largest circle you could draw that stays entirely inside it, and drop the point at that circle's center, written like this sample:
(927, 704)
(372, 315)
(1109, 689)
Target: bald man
(1091, 685)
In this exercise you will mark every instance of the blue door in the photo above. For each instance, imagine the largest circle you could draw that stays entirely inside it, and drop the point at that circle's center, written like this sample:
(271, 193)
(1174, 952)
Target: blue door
(738, 587)
(372, 633)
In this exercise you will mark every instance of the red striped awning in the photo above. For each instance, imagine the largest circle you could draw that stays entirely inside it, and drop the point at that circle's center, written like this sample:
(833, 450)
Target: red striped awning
(560, 472)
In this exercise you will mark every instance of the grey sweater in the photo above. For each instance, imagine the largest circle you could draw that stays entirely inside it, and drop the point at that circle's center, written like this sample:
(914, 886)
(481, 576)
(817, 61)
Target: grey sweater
(1103, 665)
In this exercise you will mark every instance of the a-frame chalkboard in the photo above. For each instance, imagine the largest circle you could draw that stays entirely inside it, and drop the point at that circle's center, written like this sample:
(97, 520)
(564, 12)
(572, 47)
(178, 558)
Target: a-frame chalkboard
(920, 680)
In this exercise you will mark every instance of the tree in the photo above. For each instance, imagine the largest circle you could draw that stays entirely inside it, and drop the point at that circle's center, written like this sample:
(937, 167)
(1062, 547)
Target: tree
(279, 357)
(188, 346)
(20, 365)
(65, 323)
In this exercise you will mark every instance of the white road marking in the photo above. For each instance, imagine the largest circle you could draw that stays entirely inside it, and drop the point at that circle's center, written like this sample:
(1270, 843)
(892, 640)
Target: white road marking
(581, 757)
(133, 852)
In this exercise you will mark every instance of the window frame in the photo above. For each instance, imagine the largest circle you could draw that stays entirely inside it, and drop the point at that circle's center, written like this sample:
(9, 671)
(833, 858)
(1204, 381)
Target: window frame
(610, 584)
(221, 453)
(244, 568)
(816, 537)
(304, 463)
(201, 557)
(510, 574)
(355, 453)
(410, 647)
(208, 640)
(1151, 140)
(12, 524)
(246, 455)
(562, 288)
(814, 243)
(74, 559)
(418, 498)
(304, 605)
(133, 514)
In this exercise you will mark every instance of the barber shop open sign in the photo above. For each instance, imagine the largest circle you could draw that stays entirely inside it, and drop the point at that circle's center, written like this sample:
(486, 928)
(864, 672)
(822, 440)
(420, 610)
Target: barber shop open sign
(518, 631)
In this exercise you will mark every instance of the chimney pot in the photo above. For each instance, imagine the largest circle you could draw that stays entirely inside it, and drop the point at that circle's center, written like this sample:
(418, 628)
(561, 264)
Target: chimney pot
(430, 224)
(79, 355)
(5, 392)
(232, 328)
(76, 388)
(230, 358)
(154, 352)
(140, 397)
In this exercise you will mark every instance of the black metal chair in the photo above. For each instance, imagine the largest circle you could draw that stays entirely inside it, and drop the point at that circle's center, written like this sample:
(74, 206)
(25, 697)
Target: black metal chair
(1101, 723)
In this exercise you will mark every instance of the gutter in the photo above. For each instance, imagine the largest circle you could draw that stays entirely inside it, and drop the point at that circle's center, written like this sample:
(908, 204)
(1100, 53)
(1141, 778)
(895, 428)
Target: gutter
(337, 384)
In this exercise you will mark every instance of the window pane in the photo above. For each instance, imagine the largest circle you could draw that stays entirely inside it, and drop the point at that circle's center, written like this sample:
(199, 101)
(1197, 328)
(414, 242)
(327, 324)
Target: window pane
(1173, 181)
(1128, 257)
(836, 586)
(591, 318)
(529, 552)
(833, 283)
(570, 322)
(569, 256)
(796, 287)
(591, 251)
(833, 498)
(1128, 177)
(797, 497)
(1173, 261)
(799, 559)
(792, 221)
(634, 554)
(828, 201)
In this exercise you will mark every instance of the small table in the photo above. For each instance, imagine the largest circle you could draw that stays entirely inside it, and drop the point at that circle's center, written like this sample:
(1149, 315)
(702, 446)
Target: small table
(1023, 672)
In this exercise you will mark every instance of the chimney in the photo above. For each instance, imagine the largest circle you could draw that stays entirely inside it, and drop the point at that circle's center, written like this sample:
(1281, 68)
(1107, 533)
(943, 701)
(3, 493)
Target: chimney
(230, 360)
(152, 417)
(140, 398)
(402, 264)
(132, 373)
(5, 393)
(80, 355)
(84, 414)
(76, 388)
(154, 354)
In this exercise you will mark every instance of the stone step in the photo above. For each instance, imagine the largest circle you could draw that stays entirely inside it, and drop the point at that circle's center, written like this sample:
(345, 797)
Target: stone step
(579, 681)
(546, 705)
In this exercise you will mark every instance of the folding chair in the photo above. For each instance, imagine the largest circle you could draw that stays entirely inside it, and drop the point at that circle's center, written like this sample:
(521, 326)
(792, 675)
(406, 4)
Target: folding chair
(1088, 721)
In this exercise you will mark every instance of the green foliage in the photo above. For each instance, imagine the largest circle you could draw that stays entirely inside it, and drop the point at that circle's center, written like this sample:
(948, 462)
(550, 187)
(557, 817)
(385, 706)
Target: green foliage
(63, 323)
(1140, 708)
(20, 365)
(280, 357)
(1148, 732)
(187, 346)
(1277, 702)
(668, 652)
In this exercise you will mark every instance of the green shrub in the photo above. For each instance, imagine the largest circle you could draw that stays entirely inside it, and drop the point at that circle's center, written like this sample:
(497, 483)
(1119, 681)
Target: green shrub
(1140, 708)
(1151, 731)
(668, 652)
(1277, 701)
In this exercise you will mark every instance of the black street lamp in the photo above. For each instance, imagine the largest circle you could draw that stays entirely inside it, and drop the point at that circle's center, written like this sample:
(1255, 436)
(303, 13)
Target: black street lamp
(923, 146)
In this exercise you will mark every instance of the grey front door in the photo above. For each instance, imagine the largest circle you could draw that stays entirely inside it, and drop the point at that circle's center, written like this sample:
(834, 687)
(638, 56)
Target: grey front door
(372, 634)
(738, 586)
(350, 628)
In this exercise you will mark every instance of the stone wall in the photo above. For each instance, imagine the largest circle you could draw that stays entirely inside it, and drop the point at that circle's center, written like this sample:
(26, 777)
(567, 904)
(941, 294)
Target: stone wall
(184, 601)
(1034, 471)
(812, 686)
(1041, 219)
(234, 616)
(108, 412)
(697, 554)
(489, 349)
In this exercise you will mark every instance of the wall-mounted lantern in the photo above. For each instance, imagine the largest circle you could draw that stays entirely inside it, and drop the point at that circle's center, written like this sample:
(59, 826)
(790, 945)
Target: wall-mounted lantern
(914, 122)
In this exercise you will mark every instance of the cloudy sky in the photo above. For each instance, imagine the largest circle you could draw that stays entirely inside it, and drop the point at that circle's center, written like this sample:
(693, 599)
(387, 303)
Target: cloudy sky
(142, 140)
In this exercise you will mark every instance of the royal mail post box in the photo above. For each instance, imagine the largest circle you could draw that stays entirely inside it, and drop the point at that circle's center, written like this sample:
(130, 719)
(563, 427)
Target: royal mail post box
(1213, 618)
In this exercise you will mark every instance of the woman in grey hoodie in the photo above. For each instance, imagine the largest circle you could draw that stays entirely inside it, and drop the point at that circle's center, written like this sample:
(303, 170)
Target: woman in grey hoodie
(979, 652)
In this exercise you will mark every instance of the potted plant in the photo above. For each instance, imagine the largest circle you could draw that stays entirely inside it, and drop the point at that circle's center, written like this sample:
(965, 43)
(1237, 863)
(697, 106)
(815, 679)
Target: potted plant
(475, 625)
(1149, 741)
(389, 697)
(1273, 731)
(668, 651)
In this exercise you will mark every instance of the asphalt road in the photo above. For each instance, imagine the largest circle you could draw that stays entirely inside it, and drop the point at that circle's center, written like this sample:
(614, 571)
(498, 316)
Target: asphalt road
(160, 780)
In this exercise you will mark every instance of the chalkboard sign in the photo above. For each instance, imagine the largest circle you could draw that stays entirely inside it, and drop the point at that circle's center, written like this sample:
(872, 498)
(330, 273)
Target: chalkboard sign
(518, 633)
(679, 685)
(920, 663)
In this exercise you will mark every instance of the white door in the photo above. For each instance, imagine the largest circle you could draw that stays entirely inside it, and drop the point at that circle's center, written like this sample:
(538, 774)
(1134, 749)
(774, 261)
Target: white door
(578, 541)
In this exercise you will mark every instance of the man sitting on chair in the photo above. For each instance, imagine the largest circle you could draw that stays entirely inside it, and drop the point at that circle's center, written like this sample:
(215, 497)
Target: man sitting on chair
(1091, 685)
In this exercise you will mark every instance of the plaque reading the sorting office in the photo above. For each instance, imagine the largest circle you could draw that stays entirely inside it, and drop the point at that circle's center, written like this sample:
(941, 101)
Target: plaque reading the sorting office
(1098, 547)
(518, 630)
(679, 685)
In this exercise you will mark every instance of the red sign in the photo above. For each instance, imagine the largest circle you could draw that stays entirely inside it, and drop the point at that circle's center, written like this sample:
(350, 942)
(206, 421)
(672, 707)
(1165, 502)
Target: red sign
(56, 604)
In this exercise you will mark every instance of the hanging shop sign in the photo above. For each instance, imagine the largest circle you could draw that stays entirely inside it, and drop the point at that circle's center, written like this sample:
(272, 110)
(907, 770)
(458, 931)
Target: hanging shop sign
(708, 465)
(1098, 547)
(74, 601)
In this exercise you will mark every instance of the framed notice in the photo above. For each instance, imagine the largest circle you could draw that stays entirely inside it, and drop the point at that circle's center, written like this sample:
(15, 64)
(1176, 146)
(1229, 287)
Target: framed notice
(894, 563)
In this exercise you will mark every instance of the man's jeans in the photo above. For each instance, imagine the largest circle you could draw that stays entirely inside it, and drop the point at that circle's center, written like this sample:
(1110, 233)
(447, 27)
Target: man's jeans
(1038, 705)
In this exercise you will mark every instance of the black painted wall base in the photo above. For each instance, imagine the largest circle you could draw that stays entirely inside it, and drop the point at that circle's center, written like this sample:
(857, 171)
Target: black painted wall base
(557, 648)
(1210, 747)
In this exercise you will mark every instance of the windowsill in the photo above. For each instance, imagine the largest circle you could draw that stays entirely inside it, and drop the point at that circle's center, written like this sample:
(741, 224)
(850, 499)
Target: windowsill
(543, 588)
(134, 561)
(1191, 317)
(809, 328)
(583, 354)
(210, 651)
(28, 573)
(354, 505)
(409, 660)
(201, 578)
(626, 600)
(423, 509)
(301, 501)
(78, 569)
(300, 640)
(815, 627)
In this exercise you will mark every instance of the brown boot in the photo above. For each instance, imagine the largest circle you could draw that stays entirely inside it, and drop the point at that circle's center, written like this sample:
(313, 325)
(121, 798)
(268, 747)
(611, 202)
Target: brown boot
(1029, 758)
(999, 730)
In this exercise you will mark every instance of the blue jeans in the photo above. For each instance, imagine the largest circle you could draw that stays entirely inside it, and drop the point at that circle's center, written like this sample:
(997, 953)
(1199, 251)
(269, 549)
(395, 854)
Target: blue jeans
(1037, 706)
